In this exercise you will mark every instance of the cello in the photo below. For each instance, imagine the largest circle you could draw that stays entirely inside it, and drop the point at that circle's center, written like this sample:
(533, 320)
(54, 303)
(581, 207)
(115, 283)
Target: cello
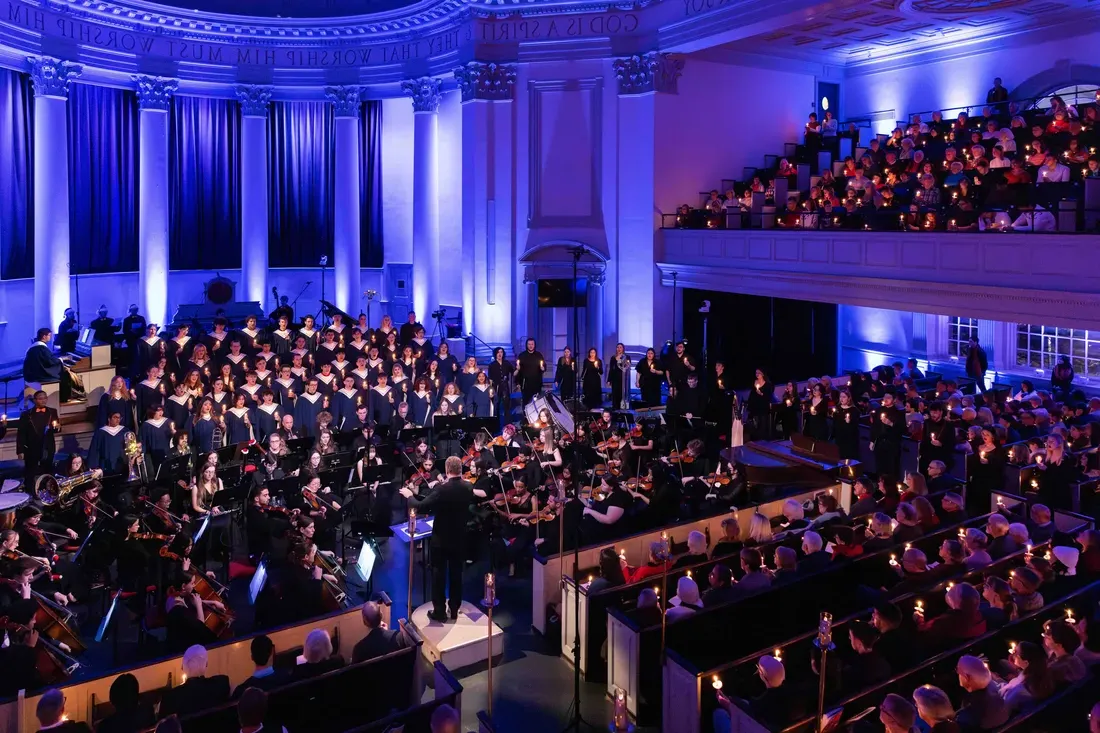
(218, 621)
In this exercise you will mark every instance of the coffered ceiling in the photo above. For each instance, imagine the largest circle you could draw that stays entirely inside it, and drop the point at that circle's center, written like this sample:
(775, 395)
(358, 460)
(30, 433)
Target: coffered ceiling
(835, 32)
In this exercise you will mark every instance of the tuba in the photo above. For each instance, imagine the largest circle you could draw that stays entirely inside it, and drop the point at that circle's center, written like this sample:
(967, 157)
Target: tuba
(134, 452)
(53, 489)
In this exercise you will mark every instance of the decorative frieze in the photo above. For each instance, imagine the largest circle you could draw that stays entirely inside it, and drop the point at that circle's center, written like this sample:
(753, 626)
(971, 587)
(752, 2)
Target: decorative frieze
(648, 72)
(492, 81)
(51, 76)
(345, 99)
(254, 99)
(155, 92)
(425, 93)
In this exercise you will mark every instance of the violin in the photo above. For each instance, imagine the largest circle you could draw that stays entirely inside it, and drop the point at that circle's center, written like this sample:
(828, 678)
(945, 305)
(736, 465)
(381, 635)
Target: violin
(471, 456)
(150, 536)
(603, 469)
(612, 443)
(681, 456)
(519, 462)
(637, 484)
(717, 479)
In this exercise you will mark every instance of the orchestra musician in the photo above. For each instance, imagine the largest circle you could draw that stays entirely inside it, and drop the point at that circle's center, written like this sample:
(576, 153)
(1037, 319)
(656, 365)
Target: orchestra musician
(265, 522)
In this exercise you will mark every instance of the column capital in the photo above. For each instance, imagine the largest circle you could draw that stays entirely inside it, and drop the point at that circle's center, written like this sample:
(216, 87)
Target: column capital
(155, 92)
(596, 278)
(51, 76)
(425, 93)
(253, 99)
(345, 99)
(481, 80)
(648, 72)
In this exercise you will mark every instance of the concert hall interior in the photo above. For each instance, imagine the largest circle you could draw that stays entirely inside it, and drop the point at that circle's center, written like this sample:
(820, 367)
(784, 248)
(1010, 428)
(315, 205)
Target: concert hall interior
(536, 365)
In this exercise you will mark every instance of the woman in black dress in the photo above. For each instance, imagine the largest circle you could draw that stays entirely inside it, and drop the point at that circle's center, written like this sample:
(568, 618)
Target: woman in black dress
(760, 405)
(565, 376)
(592, 380)
(815, 421)
(846, 426)
(651, 375)
(789, 408)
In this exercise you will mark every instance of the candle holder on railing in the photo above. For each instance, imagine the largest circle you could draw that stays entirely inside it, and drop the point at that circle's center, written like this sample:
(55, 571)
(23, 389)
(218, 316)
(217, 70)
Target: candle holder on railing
(621, 722)
(412, 551)
(489, 601)
(824, 644)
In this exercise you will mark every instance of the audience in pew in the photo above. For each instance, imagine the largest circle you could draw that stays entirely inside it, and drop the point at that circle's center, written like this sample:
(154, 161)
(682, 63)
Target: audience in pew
(198, 692)
(686, 601)
(317, 657)
(982, 706)
(252, 710)
(50, 712)
(265, 676)
(935, 709)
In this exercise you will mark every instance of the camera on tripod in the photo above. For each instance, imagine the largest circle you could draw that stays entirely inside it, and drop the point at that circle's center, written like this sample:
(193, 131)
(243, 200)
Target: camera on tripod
(439, 314)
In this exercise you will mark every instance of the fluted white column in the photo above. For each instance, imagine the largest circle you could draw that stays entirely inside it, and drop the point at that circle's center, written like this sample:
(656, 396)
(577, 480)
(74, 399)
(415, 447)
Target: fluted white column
(594, 313)
(254, 101)
(154, 97)
(425, 98)
(346, 230)
(51, 79)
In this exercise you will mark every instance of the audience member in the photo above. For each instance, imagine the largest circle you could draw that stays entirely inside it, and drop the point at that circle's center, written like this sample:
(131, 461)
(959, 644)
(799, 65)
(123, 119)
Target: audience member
(264, 676)
(198, 692)
(982, 707)
(380, 640)
(130, 714)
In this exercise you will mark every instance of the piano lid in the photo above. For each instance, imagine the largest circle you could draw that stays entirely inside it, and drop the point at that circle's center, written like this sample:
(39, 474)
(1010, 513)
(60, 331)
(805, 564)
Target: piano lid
(775, 463)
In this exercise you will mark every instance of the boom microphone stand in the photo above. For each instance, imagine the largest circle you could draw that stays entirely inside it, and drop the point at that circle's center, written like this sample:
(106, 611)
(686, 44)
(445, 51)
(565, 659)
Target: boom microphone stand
(578, 722)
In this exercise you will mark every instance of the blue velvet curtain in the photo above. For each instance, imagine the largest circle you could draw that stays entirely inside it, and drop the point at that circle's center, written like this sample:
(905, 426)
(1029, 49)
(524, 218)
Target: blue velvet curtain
(204, 184)
(301, 165)
(16, 176)
(103, 175)
(370, 184)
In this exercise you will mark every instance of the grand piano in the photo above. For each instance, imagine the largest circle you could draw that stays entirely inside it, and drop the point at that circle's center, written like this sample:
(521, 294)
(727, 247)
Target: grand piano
(799, 462)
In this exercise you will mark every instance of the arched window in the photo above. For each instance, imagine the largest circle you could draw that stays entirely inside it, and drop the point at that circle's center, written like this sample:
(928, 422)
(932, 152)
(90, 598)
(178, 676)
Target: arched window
(959, 332)
(1075, 95)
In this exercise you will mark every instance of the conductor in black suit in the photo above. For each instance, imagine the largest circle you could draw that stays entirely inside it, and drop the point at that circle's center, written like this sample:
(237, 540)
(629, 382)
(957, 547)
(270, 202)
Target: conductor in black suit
(450, 503)
(34, 443)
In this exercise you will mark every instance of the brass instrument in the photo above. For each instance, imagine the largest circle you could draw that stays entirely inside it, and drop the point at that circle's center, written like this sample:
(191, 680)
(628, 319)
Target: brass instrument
(135, 456)
(53, 489)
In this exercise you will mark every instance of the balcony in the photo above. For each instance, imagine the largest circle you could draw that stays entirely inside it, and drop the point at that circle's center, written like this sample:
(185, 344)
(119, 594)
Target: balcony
(1008, 276)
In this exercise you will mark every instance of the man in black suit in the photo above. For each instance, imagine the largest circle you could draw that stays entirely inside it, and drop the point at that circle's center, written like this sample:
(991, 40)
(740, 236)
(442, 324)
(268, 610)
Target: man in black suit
(265, 677)
(450, 503)
(51, 715)
(379, 640)
(199, 692)
(35, 444)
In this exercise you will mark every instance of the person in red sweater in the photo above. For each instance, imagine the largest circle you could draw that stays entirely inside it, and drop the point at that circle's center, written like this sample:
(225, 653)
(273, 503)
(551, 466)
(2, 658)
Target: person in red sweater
(1089, 562)
(962, 620)
(653, 567)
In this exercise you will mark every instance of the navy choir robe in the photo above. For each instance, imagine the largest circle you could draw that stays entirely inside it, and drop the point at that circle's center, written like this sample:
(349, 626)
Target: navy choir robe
(150, 393)
(423, 350)
(149, 352)
(479, 401)
(344, 403)
(221, 401)
(251, 394)
(466, 382)
(202, 434)
(265, 377)
(236, 429)
(365, 379)
(401, 388)
(248, 337)
(306, 409)
(382, 401)
(238, 364)
(327, 384)
(326, 353)
(420, 407)
(281, 342)
(178, 410)
(281, 387)
(178, 352)
(267, 421)
(312, 337)
(448, 368)
(106, 451)
(156, 439)
(353, 350)
(109, 404)
(457, 403)
(40, 364)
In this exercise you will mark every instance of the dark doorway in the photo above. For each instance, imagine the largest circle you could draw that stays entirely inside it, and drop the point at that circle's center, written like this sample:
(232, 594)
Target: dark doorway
(789, 339)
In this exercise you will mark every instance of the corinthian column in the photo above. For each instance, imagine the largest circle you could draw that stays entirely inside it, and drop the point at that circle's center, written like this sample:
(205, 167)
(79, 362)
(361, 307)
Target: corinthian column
(346, 223)
(154, 97)
(51, 79)
(254, 101)
(425, 98)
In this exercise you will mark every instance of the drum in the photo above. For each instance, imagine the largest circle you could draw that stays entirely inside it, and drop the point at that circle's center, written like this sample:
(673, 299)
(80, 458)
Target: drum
(10, 503)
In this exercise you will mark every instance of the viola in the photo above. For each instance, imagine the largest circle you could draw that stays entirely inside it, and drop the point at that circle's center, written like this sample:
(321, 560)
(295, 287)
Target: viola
(717, 479)
(519, 462)
(636, 484)
(150, 536)
(603, 469)
(680, 457)
(612, 443)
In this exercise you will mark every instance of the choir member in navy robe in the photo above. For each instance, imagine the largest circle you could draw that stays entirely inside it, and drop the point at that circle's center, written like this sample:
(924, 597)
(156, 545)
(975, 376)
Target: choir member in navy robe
(468, 376)
(364, 378)
(248, 336)
(309, 333)
(200, 362)
(376, 364)
(423, 349)
(236, 359)
(281, 338)
(178, 407)
(382, 402)
(356, 421)
(357, 346)
(301, 349)
(264, 375)
(150, 348)
(345, 402)
(307, 406)
(221, 399)
(390, 350)
(448, 365)
(400, 382)
(286, 386)
(215, 341)
(156, 438)
(230, 380)
(106, 451)
(116, 399)
(435, 380)
(270, 357)
(328, 348)
(251, 390)
(341, 367)
(421, 402)
(268, 416)
(337, 326)
(179, 349)
(238, 421)
(454, 397)
(327, 381)
(480, 398)
(149, 392)
(204, 423)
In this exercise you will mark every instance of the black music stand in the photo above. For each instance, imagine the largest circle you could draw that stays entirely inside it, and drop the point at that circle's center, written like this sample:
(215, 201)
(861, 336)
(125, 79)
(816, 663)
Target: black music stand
(410, 435)
(485, 425)
(285, 487)
(344, 438)
(299, 446)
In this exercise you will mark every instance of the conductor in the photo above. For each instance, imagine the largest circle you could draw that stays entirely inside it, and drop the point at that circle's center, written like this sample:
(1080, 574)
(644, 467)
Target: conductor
(450, 503)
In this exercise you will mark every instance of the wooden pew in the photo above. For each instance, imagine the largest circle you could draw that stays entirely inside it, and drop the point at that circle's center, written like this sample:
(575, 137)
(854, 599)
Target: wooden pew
(593, 607)
(632, 649)
(691, 686)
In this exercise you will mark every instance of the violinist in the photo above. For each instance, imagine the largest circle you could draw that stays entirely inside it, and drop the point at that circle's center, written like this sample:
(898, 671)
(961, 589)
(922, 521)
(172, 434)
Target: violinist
(135, 555)
(600, 516)
(41, 538)
(322, 505)
(548, 454)
(19, 659)
(517, 533)
(305, 532)
(160, 519)
(423, 477)
(264, 522)
(14, 563)
(603, 426)
(88, 509)
(480, 450)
